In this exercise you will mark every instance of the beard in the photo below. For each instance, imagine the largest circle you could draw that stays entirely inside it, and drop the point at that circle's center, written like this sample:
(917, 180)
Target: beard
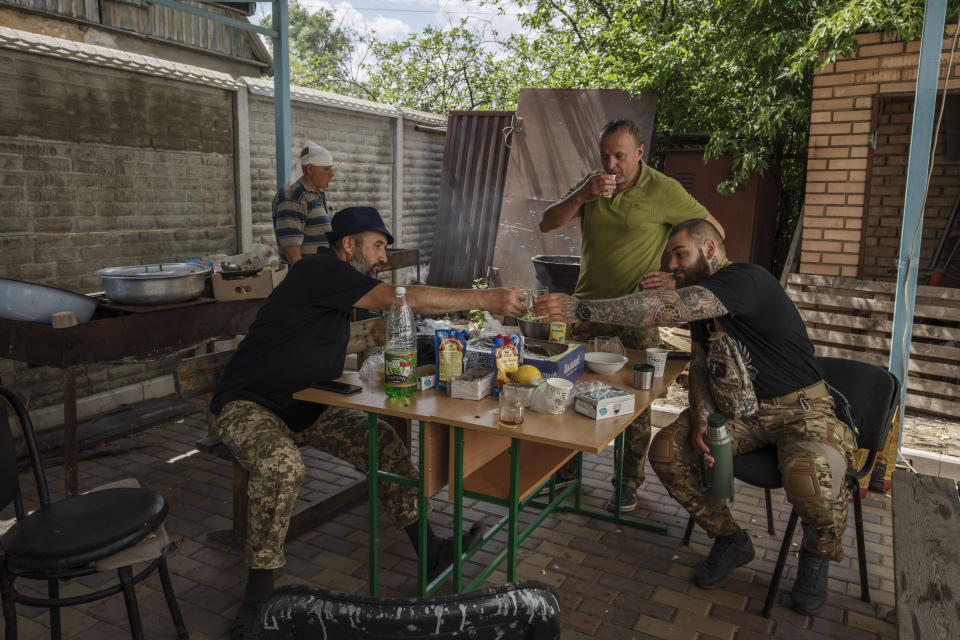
(695, 275)
(360, 264)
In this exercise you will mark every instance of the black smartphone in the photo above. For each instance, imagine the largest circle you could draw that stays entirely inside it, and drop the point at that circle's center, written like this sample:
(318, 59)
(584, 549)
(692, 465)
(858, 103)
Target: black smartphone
(336, 387)
(677, 354)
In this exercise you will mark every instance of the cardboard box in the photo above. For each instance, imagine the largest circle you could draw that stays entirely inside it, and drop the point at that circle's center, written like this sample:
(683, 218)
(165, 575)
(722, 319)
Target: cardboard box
(566, 361)
(426, 377)
(553, 359)
(608, 403)
(258, 285)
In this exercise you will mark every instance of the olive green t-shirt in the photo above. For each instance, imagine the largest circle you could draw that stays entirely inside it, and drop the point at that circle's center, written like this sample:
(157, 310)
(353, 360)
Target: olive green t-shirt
(624, 236)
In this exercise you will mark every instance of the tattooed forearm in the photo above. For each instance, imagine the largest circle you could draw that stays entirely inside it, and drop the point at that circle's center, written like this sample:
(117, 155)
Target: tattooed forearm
(658, 308)
(701, 404)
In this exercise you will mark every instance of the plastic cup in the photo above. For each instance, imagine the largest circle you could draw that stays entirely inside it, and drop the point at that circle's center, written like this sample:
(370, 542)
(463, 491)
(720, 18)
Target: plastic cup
(658, 358)
(560, 389)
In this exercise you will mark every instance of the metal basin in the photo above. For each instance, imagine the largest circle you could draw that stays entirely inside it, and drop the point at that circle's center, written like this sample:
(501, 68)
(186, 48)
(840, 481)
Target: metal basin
(165, 283)
(534, 330)
(36, 302)
(558, 273)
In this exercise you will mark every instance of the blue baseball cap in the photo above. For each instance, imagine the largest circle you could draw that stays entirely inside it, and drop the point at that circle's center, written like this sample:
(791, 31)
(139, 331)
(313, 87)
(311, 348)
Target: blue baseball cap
(351, 220)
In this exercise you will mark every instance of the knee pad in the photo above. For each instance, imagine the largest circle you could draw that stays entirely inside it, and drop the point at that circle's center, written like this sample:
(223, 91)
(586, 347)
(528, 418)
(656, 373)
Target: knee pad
(801, 482)
(666, 445)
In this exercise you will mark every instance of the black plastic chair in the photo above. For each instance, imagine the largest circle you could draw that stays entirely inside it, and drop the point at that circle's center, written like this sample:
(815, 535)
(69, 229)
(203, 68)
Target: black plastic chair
(523, 610)
(75, 536)
(873, 394)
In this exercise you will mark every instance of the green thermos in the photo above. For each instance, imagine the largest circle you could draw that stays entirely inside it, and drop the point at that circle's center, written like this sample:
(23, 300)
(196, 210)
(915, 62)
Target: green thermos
(719, 478)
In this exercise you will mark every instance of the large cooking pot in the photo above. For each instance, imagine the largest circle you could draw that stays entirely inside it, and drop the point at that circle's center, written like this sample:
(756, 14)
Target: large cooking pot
(558, 273)
(36, 302)
(154, 283)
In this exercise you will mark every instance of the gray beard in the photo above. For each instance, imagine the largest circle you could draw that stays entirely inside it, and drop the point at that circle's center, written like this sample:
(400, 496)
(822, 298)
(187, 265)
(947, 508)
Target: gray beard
(358, 263)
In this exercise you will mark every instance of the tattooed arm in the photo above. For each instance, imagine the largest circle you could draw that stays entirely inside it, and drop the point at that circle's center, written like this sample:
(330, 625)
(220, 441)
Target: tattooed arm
(701, 403)
(643, 309)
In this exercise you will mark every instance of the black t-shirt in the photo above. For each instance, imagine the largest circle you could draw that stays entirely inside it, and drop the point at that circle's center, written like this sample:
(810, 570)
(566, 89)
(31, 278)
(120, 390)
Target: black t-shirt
(767, 326)
(299, 337)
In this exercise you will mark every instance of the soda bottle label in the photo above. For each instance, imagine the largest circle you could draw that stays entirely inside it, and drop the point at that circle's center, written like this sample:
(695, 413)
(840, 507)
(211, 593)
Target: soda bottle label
(400, 369)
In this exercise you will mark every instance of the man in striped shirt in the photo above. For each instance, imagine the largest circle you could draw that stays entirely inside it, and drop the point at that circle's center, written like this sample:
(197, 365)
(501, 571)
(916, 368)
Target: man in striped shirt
(301, 217)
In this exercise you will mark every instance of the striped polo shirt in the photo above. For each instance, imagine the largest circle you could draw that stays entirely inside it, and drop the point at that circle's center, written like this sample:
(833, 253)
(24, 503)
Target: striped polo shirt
(300, 217)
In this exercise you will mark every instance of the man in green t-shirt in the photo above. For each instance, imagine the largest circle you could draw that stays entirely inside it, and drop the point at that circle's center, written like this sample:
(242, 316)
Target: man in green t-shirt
(626, 212)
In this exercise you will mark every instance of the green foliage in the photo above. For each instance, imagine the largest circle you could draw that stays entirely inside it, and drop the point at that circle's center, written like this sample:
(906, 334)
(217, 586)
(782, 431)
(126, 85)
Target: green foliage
(438, 70)
(320, 49)
(476, 315)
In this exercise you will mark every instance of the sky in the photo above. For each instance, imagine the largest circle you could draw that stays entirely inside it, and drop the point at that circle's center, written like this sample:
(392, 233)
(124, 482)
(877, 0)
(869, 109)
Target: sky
(395, 19)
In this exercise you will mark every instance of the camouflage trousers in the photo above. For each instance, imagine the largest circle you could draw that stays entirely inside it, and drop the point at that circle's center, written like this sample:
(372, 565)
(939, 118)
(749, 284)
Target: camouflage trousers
(636, 437)
(268, 449)
(814, 450)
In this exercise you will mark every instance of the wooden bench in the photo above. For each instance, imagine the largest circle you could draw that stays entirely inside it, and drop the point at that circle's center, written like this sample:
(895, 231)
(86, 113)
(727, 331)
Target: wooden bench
(199, 375)
(926, 556)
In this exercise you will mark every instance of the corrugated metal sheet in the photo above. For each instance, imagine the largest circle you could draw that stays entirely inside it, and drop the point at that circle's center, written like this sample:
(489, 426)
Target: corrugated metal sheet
(471, 189)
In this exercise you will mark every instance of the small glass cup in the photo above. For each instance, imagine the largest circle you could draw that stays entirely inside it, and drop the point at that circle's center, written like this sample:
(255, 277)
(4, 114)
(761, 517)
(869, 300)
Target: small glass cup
(512, 400)
(607, 344)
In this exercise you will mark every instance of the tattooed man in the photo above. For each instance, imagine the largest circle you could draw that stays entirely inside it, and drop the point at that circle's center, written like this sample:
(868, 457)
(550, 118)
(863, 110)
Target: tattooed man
(751, 360)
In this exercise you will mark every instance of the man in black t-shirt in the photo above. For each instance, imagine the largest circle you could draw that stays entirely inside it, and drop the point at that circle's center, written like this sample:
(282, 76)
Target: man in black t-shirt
(299, 337)
(751, 360)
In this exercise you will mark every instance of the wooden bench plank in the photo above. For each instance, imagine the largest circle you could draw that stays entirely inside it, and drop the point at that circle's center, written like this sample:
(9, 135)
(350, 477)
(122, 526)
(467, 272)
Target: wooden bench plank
(828, 282)
(926, 556)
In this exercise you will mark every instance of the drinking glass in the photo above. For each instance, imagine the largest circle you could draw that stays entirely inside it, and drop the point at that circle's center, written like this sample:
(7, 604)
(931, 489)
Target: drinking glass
(512, 400)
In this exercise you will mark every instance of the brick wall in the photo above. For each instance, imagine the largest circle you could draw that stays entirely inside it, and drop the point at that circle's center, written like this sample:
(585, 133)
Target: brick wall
(888, 179)
(854, 193)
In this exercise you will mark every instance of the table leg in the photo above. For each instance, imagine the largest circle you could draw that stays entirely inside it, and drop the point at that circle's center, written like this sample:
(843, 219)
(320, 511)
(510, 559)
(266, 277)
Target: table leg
(373, 467)
(513, 509)
(457, 509)
(618, 479)
(422, 511)
(70, 472)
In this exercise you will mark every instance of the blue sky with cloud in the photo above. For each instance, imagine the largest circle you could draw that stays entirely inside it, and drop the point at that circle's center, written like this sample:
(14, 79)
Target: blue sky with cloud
(395, 19)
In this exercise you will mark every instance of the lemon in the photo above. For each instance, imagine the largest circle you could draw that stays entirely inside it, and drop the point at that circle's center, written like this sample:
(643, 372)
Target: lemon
(529, 374)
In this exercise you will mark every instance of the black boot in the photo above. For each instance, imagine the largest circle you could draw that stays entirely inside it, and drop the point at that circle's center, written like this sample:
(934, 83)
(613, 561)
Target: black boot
(810, 589)
(259, 587)
(727, 553)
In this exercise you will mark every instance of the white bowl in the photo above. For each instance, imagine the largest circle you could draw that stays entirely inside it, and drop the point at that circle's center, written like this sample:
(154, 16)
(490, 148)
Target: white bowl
(604, 362)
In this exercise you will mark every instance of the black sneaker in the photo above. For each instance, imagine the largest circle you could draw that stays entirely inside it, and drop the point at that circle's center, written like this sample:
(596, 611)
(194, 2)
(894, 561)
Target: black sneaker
(810, 589)
(727, 553)
(445, 555)
(628, 499)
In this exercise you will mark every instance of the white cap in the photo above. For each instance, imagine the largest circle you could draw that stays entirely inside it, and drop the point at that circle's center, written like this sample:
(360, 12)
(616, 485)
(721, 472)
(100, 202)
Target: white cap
(401, 291)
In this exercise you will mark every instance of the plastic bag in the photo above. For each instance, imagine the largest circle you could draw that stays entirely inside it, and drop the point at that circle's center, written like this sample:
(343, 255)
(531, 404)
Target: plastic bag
(553, 395)
(372, 368)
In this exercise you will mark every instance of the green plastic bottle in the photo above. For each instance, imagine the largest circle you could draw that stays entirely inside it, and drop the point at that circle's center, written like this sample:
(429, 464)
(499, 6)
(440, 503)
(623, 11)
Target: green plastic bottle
(719, 478)
(400, 353)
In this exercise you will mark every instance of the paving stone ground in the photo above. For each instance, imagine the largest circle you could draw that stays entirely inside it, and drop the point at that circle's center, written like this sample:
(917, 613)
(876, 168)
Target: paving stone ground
(613, 582)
